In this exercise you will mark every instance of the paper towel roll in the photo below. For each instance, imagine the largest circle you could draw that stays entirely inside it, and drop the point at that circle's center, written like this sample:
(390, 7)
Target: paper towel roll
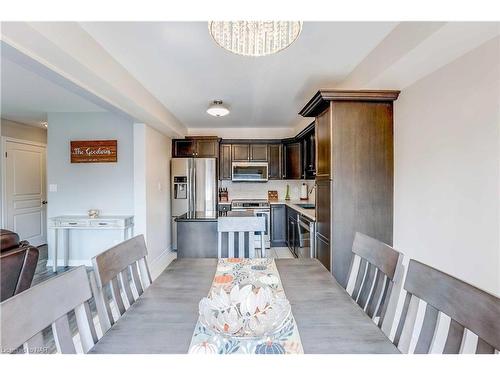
(303, 191)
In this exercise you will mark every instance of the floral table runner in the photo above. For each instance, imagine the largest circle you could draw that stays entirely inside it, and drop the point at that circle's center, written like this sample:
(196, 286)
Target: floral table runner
(236, 271)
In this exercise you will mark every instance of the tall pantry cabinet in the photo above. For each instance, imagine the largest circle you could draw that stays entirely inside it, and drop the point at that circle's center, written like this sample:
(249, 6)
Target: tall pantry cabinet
(354, 171)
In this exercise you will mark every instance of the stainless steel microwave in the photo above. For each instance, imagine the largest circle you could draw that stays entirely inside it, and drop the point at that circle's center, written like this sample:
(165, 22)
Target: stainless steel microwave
(249, 171)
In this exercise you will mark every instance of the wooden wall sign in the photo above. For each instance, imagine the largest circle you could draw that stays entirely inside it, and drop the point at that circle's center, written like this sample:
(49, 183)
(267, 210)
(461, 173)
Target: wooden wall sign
(94, 151)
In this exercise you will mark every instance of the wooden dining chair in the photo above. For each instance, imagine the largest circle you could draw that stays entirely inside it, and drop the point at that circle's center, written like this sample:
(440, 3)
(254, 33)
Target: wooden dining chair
(372, 275)
(239, 235)
(120, 276)
(468, 308)
(25, 315)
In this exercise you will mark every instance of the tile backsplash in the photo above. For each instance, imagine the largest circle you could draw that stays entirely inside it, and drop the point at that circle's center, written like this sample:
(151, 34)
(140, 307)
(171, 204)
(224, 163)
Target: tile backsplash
(258, 190)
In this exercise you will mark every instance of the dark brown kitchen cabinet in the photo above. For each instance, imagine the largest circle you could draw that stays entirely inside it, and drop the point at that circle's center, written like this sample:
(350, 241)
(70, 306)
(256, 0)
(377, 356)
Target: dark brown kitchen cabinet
(225, 162)
(323, 194)
(207, 148)
(258, 152)
(292, 164)
(249, 152)
(308, 142)
(197, 147)
(183, 148)
(241, 152)
(323, 144)
(278, 225)
(292, 231)
(354, 171)
(274, 155)
(323, 253)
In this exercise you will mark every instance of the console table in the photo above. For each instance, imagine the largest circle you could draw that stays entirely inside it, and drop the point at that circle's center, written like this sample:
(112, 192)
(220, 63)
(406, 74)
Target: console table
(65, 224)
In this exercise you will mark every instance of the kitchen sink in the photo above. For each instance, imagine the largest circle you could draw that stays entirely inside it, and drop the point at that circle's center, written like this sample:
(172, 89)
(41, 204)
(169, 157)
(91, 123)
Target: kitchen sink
(306, 205)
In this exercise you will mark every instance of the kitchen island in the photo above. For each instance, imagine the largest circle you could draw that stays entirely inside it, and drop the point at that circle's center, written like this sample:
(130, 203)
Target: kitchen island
(197, 233)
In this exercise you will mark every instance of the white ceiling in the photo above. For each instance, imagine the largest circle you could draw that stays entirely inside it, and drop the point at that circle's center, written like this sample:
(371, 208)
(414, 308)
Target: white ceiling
(181, 66)
(27, 97)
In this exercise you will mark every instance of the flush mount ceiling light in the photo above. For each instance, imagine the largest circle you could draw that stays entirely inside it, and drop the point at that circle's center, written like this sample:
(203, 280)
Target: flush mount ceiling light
(217, 109)
(254, 38)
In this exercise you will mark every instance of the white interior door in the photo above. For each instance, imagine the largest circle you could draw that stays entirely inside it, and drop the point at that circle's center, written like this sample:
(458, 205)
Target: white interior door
(25, 195)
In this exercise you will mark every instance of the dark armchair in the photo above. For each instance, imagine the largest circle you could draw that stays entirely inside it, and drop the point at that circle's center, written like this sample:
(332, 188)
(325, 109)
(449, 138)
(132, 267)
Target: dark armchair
(18, 262)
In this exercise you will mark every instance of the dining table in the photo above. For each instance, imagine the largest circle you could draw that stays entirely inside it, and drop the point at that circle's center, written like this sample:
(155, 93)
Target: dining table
(162, 320)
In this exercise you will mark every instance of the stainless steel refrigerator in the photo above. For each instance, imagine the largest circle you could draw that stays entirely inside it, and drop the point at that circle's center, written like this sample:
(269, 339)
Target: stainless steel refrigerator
(194, 188)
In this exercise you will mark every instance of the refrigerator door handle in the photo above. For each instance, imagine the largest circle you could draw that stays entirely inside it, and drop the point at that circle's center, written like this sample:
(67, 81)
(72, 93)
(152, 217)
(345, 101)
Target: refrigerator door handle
(190, 174)
(193, 207)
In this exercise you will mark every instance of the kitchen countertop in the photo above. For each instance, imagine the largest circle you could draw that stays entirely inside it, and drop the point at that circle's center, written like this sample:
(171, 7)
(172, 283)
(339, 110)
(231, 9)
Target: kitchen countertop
(308, 212)
(210, 215)
(198, 216)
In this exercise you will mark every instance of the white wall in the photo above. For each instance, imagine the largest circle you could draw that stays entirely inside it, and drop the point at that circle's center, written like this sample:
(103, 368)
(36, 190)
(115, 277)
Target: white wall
(258, 190)
(13, 129)
(152, 194)
(447, 150)
(106, 186)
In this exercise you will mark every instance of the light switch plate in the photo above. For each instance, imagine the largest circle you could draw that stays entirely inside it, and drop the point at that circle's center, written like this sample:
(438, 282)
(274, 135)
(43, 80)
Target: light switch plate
(53, 188)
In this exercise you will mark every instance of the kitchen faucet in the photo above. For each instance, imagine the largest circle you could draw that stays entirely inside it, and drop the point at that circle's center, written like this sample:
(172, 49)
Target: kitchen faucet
(310, 191)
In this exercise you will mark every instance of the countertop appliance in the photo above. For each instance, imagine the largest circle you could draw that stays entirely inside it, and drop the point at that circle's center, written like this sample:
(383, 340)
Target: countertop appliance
(306, 231)
(259, 207)
(249, 171)
(194, 188)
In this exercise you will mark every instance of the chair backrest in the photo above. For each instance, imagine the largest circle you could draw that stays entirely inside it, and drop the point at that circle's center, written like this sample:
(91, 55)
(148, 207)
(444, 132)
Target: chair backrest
(468, 307)
(371, 276)
(18, 262)
(119, 270)
(240, 235)
(25, 315)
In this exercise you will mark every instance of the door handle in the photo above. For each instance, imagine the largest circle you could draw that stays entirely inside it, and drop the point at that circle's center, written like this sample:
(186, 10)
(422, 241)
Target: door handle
(44, 202)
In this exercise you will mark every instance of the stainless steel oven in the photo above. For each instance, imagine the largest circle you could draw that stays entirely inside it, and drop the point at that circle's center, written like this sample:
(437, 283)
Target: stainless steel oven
(259, 207)
(306, 233)
(249, 171)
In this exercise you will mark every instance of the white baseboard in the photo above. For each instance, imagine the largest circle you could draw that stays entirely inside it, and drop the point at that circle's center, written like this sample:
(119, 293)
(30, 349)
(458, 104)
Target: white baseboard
(71, 263)
(158, 265)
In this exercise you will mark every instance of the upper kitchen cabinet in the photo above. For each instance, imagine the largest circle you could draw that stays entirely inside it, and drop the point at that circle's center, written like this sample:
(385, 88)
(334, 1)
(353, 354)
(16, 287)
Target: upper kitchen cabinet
(299, 155)
(274, 154)
(249, 152)
(323, 143)
(307, 139)
(225, 162)
(354, 138)
(183, 148)
(241, 152)
(258, 152)
(197, 147)
(207, 148)
(292, 161)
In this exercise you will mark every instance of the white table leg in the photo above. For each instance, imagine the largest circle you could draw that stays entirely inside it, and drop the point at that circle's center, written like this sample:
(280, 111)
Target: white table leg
(56, 244)
(67, 247)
